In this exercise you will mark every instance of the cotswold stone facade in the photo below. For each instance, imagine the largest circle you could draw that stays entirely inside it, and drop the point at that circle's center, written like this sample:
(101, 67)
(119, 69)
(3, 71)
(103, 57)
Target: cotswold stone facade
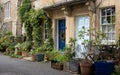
(10, 21)
(73, 10)
(68, 16)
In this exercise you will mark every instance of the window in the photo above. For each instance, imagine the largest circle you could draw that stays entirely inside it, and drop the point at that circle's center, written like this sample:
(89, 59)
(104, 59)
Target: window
(46, 32)
(108, 22)
(7, 9)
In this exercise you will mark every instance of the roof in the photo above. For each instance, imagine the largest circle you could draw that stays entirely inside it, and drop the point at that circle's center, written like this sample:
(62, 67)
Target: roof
(66, 2)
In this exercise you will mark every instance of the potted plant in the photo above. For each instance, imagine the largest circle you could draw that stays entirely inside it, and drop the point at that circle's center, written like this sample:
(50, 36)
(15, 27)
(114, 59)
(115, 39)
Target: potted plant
(72, 63)
(18, 50)
(10, 49)
(86, 62)
(102, 60)
(40, 54)
(25, 47)
(47, 47)
(57, 59)
(32, 53)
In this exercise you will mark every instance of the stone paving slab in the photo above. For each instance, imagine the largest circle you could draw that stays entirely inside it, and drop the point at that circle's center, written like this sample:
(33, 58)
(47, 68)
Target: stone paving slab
(13, 66)
(10, 73)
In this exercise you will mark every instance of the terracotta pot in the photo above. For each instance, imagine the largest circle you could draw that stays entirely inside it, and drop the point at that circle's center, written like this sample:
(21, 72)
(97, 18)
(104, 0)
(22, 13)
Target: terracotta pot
(19, 53)
(24, 53)
(46, 58)
(85, 68)
(116, 61)
(33, 58)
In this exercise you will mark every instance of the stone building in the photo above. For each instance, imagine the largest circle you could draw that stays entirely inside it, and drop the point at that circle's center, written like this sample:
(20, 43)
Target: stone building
(10, 21)
(69, 16)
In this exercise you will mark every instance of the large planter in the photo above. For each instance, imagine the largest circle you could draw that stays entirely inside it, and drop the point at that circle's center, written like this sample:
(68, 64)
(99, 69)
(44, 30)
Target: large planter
(104, 68)
(74, 66)
(56, 65)
(86, 68)
(40, 57)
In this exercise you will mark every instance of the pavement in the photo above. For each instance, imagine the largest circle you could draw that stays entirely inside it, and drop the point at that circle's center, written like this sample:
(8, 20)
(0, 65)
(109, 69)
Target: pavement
(14, 66)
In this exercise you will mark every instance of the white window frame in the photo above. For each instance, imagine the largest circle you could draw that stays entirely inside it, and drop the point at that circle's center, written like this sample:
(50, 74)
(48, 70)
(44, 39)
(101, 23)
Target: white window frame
(108, 32)
(7, 9)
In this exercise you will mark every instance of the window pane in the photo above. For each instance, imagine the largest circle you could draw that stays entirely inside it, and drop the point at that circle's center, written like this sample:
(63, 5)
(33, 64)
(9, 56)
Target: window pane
(108, 19)
(104, 28)
(110, 28)
(113, 11)
(104, 20)
(108, 11)
(103, 12)
(113, 36)
(112, 19)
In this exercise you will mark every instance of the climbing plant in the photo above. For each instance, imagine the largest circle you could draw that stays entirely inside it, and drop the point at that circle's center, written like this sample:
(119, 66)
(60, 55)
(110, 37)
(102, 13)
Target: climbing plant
(28, 26)
(25, 7)
(1, 9)
(38, 20)
(35, 21)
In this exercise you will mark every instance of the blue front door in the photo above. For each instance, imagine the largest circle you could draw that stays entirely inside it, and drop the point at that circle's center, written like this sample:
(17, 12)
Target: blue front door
(61, 34)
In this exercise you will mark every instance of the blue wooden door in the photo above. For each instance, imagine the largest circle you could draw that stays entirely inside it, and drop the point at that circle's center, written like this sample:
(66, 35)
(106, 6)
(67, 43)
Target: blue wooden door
(61, 34)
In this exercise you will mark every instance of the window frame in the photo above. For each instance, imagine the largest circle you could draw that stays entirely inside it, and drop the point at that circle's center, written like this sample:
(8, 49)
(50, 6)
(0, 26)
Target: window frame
(7, 10)
(106, 41)
(46, 31)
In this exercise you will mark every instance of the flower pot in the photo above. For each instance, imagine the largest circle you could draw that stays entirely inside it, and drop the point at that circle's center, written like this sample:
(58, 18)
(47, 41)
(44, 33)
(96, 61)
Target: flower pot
(24, 53)
(116, 61)
(66, 66)
(74, 65)
(104, 68)
(33, 58)
(46, 58)
(40, 57)
(56, 65)
(86, 68)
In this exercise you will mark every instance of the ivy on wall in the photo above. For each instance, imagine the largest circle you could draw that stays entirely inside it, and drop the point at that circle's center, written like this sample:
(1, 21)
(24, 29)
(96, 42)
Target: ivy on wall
(35, 22)
(28, 26)
(1, 10)
(25, 7)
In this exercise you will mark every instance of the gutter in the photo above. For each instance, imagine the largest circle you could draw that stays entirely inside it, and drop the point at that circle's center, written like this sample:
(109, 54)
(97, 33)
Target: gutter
(67, 2)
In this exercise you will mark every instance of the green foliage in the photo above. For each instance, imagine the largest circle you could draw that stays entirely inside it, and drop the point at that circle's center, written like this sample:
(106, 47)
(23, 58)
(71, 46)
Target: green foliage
(98, 35)
(69, 50)
(25, 7)
(5, 40)
(35, 21)
(48, 45)
(1, 7)
(1, 10)
(28, 25)
(118, 41)
(116, 73)
(32, 52)
(26, 46)
(58, 56)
